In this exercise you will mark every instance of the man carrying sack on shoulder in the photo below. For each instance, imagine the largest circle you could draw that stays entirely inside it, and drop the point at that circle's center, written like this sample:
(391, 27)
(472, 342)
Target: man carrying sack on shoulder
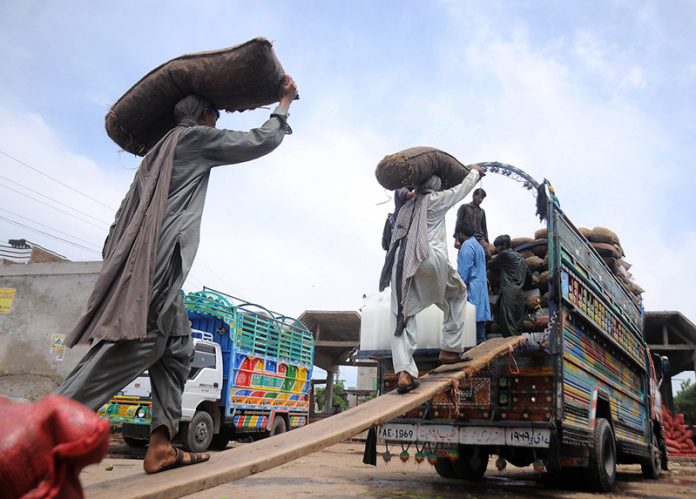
(417, 268)
(135, 317)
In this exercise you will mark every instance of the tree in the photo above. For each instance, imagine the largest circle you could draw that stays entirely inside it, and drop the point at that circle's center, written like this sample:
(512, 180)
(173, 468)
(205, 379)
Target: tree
(685, 401)
(340, 398)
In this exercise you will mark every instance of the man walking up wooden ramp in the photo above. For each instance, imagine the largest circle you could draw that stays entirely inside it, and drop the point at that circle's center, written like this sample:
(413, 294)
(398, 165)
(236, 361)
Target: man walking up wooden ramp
(271, 452)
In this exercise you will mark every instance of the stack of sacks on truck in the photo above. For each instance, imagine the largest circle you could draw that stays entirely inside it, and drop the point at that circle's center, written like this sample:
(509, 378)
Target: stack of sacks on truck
(607, 244)
(678, 436)
(536, 288)
(534, 250)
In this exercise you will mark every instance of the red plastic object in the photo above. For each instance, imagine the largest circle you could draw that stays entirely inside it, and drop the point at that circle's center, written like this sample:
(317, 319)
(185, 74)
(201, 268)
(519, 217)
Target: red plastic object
(45, 445)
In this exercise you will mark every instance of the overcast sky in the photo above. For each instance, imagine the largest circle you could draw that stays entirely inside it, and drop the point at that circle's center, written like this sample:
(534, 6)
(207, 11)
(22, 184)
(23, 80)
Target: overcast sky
(596, 96)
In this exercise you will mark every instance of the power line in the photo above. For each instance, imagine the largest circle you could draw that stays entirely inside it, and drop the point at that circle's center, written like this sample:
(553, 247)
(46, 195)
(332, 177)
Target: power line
(216, 274)
(48, 197)
(55, 180)
(48, 235)
(51, 228)
(55, 208)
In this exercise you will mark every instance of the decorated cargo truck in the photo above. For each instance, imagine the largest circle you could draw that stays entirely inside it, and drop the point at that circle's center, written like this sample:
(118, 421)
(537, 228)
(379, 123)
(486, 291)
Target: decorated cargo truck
(250, 376)
(580, 397)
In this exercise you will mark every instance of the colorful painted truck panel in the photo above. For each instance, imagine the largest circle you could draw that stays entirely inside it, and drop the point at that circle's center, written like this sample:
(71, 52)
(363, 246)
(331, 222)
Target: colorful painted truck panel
(577, 399)
(251, 373)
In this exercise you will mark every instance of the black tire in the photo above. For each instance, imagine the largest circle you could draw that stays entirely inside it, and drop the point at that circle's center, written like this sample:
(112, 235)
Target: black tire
(221, 439)
(197, 434)
(444, 468)
(651, 467)
(601, 471)
(471, 464)
(135, 442)
(278, 426)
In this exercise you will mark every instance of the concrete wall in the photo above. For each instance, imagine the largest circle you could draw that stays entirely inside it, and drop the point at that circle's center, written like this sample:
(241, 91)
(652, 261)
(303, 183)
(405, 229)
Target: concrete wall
(48, 299)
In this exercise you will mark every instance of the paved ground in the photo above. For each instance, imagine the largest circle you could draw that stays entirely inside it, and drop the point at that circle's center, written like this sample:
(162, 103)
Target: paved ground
(338, 472)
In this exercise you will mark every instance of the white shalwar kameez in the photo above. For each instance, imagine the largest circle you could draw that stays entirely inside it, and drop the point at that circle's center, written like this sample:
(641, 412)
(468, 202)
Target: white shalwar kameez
(435, 282)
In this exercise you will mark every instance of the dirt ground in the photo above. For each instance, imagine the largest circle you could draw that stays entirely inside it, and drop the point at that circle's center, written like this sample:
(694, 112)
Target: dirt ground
(339, 472)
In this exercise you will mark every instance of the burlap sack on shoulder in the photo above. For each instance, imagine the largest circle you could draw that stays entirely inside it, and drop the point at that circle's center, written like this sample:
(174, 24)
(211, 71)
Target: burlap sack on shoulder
(237, 78)
(412, 166)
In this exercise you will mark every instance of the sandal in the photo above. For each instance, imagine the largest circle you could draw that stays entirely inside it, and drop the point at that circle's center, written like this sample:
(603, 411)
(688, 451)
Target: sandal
(407, 388)
(179, 462)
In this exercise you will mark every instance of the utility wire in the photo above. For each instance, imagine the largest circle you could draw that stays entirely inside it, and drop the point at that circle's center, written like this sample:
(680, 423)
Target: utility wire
(51, 228)
(48, 197)
(55, 180)
(216, 274)
(48, 235)
(55, 208)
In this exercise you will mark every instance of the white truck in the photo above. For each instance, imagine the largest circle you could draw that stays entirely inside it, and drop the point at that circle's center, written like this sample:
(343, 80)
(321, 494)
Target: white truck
(250, 376)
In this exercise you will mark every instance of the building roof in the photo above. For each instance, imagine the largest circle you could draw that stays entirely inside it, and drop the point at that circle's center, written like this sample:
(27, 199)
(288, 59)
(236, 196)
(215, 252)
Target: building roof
(336, 336)
(672, 334)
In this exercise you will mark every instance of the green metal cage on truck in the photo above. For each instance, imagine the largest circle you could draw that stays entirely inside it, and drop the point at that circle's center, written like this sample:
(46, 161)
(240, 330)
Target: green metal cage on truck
(250, 376)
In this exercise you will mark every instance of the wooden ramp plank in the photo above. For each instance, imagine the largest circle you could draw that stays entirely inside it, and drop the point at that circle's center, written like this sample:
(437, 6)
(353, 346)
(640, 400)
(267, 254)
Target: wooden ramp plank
(264, 454)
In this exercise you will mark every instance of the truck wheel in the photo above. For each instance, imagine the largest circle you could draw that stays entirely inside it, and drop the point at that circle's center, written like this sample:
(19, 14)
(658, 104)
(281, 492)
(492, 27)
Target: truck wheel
(651, 467)
(471, 464)
(278, 426)
(134, 442)
(601, 471)
(198, 432)
(220, 440)
(444, 468)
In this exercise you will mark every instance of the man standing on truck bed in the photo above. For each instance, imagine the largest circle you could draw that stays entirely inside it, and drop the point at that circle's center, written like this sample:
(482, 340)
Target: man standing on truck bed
(135, 315)
(418, 270)
(471, 265)
(472, 214)
(509, 310)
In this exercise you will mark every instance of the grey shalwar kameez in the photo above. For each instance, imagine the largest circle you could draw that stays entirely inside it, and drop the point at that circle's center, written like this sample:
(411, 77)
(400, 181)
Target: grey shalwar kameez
(167, 348)
(435, 282)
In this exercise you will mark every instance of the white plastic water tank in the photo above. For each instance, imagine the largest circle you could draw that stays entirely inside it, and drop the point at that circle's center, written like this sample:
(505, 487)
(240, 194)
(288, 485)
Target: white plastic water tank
(377, 324)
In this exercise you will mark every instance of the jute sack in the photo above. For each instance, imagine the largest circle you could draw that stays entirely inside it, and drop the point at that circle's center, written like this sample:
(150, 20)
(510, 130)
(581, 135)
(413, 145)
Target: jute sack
(540, 247)
(603, 235)
(541, 233)
(415, 165)
(238, 78)
(519, 241)
(585, 232)
(606, 250)
(535, 263)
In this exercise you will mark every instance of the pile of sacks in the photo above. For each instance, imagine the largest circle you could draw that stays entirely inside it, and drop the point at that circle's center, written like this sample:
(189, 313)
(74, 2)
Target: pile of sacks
(678, 436)
(534, 250)
(607, 244)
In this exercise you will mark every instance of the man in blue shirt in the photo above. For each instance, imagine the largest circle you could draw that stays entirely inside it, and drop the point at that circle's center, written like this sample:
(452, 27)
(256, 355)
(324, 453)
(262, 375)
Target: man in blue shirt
(471, 265)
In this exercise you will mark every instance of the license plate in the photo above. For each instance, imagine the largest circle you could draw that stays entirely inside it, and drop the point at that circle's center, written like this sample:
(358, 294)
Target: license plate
(400, 432)
(467, 435)
(527, 437)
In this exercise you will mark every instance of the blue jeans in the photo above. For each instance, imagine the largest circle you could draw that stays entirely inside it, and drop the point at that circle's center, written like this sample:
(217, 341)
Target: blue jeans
(480, 332)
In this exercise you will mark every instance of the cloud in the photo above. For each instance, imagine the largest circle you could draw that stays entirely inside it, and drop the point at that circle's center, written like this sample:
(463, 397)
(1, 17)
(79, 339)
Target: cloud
(63, 212)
